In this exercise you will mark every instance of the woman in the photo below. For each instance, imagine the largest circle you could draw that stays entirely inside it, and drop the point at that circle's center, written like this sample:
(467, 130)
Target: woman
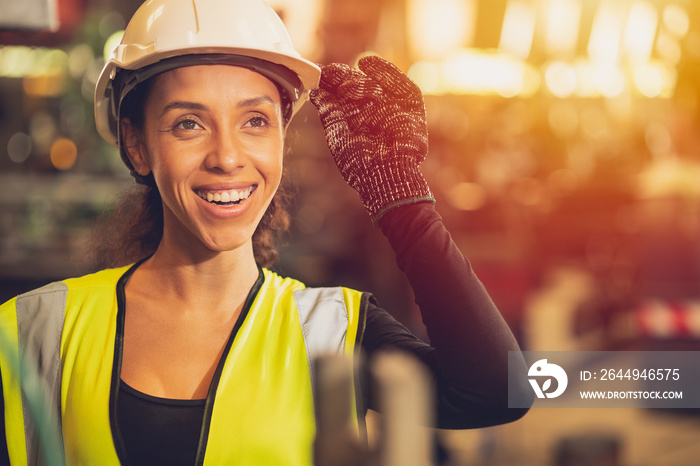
(195, 353)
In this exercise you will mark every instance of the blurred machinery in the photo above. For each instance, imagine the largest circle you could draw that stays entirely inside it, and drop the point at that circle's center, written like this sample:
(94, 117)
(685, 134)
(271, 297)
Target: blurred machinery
(402, 386)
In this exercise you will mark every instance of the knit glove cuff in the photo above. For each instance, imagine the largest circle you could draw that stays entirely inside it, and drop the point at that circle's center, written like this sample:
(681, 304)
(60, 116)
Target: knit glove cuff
(375, 126)
(392, 185)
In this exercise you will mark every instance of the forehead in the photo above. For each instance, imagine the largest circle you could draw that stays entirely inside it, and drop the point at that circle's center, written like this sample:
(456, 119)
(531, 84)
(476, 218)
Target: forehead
(218, 82)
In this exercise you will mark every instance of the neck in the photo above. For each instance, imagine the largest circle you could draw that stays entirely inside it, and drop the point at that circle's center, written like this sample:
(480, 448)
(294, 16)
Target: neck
(207, 280)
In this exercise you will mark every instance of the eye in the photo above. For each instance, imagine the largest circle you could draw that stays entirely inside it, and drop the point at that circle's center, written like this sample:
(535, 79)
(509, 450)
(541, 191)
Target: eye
(258, 122)
(188, 125)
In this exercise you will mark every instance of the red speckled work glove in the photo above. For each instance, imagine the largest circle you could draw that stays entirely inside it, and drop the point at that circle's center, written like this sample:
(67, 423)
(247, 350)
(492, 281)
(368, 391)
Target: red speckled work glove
(374, 120)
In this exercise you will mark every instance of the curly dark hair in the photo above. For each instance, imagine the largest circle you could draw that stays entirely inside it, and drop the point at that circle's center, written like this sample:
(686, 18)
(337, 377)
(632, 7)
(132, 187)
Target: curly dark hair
(132, 230)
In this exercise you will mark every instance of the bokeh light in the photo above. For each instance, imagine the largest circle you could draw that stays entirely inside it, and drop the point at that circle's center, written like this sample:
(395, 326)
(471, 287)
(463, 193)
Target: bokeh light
(467, 196)
(440, 26)
(79, 59)
(649, 81)
(111, 43)
(562, 26)
(42, 129)
(483, 73)
(668, 48)
(560, 78)
(44, 85)
(426, 75)
(110, 23)
(606, 32)
(585, 79)
(610, 80)
(16, 61)
(640, 30)
(19, 147)
(518, 28)
(676, 19)
(63, 153)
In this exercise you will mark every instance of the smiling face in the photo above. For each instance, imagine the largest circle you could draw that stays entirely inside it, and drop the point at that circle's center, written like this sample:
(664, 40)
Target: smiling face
(213, 138)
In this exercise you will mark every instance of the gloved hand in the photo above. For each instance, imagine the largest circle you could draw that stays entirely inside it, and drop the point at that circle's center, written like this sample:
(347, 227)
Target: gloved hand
(374, 121)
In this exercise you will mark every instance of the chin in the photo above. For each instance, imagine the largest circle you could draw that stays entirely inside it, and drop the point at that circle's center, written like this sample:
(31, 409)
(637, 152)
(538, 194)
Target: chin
(229, 244)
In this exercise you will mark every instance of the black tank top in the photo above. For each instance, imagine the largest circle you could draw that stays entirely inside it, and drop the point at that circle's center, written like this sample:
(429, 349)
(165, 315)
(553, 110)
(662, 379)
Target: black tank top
(156, 430)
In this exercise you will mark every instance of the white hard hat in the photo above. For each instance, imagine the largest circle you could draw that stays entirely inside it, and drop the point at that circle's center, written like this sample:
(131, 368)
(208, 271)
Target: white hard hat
(166, 34)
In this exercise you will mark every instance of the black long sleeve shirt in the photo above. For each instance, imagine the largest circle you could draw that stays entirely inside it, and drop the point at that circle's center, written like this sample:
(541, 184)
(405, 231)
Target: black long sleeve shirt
(469, 340)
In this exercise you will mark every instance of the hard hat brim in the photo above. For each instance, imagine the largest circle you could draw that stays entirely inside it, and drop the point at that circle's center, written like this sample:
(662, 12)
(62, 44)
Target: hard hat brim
(294, 74)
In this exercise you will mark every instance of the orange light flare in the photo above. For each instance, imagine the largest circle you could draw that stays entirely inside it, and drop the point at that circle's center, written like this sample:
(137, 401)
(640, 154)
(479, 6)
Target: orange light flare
(562, 18)
(518, 29)
(631, 48)
(64, 154)
(439, 27)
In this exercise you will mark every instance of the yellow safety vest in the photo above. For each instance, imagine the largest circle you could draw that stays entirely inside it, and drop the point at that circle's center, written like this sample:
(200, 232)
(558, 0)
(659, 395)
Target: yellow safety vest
(260, 409)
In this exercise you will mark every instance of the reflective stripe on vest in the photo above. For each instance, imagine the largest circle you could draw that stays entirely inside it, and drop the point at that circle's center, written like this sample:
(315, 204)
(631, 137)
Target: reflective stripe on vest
(328, 319)
(325, 332)
(39, 336)
(313, 305)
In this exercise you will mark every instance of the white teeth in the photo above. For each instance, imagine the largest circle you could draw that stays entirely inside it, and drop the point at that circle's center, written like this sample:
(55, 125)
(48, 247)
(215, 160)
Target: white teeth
(232, 195)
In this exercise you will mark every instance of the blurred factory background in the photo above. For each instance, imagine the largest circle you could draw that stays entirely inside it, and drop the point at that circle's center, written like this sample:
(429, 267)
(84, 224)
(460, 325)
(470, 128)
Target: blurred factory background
(565, 159)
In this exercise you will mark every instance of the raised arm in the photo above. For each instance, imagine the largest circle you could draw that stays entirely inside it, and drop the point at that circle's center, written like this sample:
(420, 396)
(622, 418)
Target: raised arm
(375, 126)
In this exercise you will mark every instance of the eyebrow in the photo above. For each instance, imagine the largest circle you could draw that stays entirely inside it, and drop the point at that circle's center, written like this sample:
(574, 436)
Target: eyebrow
(185, 105)
(182, 105)
(253, 101)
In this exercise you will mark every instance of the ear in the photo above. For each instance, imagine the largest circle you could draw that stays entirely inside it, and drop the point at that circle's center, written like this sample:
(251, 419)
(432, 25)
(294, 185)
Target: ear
(134, 148)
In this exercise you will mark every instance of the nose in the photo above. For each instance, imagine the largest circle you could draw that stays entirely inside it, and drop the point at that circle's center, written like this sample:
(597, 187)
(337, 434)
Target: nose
(225, 153)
